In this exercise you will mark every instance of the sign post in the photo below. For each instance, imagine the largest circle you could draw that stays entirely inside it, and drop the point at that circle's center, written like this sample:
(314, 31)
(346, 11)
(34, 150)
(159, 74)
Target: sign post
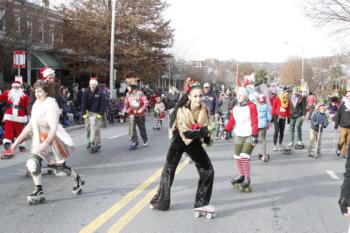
(19, 60)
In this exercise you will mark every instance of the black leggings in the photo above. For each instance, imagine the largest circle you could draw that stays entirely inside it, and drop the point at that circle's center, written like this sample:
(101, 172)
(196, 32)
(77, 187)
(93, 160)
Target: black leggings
(279, 128)
(161, 200)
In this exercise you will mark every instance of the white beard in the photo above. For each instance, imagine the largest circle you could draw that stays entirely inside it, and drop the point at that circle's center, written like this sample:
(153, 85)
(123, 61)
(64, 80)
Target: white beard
(15, 95)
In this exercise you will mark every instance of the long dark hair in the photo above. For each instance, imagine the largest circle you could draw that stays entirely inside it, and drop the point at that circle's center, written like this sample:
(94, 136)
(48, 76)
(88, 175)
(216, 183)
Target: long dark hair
(46, 87)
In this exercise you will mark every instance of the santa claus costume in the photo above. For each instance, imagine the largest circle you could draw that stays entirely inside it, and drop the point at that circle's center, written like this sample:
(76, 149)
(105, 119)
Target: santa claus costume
(15, 116)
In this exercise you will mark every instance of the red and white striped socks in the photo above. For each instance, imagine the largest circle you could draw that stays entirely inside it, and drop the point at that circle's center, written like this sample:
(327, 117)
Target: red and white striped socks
(246, 167)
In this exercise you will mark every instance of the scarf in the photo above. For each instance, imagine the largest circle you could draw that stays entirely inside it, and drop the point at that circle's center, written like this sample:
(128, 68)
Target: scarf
(284, 100)
(185, 120)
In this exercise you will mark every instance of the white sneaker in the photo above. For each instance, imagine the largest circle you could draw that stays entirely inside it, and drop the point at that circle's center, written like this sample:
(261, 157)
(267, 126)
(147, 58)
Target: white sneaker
(300, 143)
(291, 144)
(145, 144)
(274, 148)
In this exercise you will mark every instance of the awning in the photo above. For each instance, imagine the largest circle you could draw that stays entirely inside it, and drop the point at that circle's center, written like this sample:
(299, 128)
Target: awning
(42, 59)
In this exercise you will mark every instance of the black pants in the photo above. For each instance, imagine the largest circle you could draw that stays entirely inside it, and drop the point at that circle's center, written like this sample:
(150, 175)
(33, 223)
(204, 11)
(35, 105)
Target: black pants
(161, 200)
(140, 121)
(279, 125)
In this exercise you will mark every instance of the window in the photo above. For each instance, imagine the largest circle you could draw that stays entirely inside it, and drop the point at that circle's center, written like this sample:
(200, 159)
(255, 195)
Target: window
(18, 21)
(41, 31)
(2, 19)
(30, 28)
(52, 34)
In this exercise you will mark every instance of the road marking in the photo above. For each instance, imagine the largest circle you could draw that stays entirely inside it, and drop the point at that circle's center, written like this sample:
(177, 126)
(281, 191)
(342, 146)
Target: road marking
(117, 136)
(104, 217)
(131, 214)
(332, 174)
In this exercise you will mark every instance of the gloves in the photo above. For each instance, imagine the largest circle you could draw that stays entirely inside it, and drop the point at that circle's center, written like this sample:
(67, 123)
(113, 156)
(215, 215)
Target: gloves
(255, 140)
(85, 116)
(98, 117)
(344, 203)
(204, 131)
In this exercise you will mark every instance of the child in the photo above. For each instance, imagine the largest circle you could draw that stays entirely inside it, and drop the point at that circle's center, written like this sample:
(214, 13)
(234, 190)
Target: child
(264, 118)
(159, 109)
(319, 121)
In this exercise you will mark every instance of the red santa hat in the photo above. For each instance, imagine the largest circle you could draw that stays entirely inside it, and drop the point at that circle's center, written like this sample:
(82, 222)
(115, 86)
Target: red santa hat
(18, 81)
(45, 72)
(93, 80)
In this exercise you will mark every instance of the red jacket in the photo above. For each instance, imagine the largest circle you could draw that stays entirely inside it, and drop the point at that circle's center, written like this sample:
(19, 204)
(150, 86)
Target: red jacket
(245, 120)
(16, 112)
(278, 110)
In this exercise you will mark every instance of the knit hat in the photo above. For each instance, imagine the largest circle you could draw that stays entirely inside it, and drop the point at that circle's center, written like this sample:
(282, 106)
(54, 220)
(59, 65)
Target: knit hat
(93, 80)
(45, 72)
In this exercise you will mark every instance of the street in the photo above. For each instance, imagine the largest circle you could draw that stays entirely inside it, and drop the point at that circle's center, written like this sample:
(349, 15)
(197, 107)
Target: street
(291, 193)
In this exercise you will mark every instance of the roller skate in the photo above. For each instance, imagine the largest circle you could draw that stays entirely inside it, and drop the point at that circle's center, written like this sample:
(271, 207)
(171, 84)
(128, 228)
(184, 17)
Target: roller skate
(133, 145)
(77, 183)
(37, 196)
(8, 153)
(209, 211)
(245, 186)
(264, 157)
(88, 145)
(299, 145)
(236, 182)
(95, 148)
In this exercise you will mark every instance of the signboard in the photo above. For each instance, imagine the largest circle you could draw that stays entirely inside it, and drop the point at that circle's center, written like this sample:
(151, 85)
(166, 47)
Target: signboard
(19, 59)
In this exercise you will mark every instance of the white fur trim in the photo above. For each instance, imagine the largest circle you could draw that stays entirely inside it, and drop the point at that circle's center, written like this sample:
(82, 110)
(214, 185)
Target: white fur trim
(47, 72)
(5, 140)
(19, 119)
(236, 157)
(245, 156)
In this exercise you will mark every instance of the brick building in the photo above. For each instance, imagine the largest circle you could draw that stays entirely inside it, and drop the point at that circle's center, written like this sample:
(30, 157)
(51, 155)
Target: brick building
(35, 28)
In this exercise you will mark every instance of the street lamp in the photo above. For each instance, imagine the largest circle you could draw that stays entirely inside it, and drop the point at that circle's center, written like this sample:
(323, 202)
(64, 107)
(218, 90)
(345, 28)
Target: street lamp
(302, 58)
(111, 65)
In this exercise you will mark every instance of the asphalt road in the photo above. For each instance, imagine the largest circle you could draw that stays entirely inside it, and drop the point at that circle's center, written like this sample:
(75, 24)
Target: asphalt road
(291, 193)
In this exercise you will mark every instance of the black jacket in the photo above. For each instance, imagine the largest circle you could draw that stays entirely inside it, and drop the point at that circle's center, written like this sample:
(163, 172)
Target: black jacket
(58, 98)
(342, 118)
(210, 102)
(344, 199)
(93, 101)
(300, 108)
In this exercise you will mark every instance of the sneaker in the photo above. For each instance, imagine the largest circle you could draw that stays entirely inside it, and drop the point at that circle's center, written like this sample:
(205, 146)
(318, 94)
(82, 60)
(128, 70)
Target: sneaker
(291, 144)
(280, 147)
(310, 156)
(145, 144)
(300, 143)
(274, 148)
(216, 138)
(337, 153)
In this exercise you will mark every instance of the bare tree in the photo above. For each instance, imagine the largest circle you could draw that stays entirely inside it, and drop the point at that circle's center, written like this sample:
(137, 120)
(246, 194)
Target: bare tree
(333, 14)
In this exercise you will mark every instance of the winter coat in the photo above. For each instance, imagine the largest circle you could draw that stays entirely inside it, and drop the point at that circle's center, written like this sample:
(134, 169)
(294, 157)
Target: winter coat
(318, 119)
(16, 112)
(93, 101)
(342, 118)
(278, 110)
(135, 102)
(210, 102)
(244, 120)
(299, 109)
(264, 115)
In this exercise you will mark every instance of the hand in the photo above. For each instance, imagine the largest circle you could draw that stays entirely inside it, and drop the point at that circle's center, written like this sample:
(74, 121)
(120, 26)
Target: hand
(344, 204)
(85, 116)
(61, 110)
(255, 140)
(13, 147)
(98, 117)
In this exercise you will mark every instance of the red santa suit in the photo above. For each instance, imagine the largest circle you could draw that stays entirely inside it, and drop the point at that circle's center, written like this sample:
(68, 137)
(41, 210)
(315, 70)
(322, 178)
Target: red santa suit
(15, 116)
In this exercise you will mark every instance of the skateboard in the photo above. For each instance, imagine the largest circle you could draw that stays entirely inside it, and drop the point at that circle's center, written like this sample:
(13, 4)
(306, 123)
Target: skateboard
(286, 151)
(7, 154)
(209, 211)
(35, 200)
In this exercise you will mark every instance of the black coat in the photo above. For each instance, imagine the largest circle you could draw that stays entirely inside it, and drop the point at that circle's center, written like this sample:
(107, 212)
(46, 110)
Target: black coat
(93, 101)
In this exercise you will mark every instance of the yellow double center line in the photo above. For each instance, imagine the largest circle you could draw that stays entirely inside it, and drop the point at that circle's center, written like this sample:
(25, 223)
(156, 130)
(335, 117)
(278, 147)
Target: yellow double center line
(124, 220)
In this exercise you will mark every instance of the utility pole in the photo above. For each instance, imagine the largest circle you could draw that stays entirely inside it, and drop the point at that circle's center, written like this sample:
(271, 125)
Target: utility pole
(111, 66)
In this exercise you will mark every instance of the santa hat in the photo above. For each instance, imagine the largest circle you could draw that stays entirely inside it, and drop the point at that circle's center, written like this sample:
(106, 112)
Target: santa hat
(45, 72)
(93, 80)
(18, 81)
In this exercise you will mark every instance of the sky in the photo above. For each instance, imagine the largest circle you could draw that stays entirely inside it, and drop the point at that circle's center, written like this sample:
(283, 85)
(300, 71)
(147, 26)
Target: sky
(246, 30)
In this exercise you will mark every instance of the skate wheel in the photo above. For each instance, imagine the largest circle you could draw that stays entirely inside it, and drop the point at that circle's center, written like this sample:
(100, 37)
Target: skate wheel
(196, 214)
(210, 216)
